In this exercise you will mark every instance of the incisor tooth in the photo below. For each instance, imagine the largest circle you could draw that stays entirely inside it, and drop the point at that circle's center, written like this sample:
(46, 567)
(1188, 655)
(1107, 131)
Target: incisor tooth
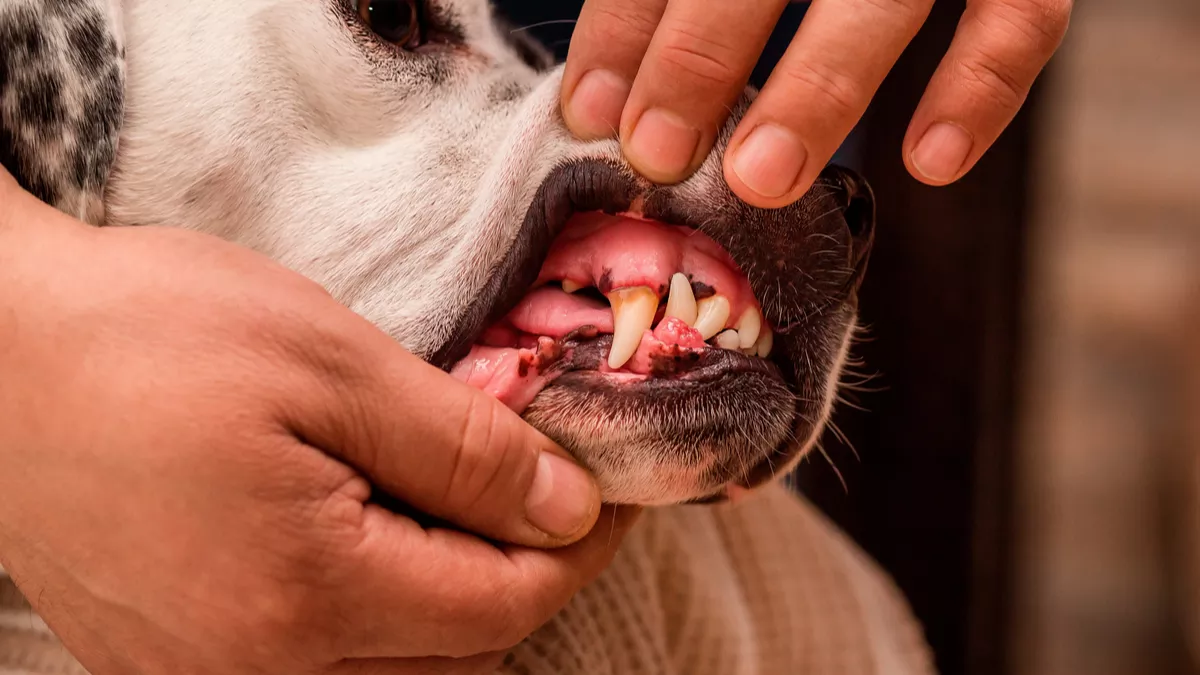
(749, 326)
(712, 315)
(764, 344)
(633, 313)
(570, 286)
(681, 303)
(728, 339)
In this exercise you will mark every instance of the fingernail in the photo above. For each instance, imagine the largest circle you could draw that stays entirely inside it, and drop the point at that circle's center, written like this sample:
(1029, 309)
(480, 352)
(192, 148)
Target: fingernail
(942, 152)
(594, 110)
(770, 160)
(562, 499)
(662, 146)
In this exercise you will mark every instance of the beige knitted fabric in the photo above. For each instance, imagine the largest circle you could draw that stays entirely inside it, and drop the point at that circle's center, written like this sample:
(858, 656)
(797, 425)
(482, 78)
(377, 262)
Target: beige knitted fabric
(766, 587)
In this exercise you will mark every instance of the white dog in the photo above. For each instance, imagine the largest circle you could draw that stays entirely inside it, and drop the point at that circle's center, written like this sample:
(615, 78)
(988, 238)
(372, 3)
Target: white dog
(409, 156)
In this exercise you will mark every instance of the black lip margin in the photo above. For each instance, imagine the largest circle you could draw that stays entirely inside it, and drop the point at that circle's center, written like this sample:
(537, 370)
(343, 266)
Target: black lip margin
(570, 188)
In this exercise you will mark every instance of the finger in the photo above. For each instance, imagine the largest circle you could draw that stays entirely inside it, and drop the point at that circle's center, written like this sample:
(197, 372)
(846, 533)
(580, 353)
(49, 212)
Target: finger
(998, 51)
(697, 65)
(816, 94)
(442, 447)
(606, 51)
(412, 592)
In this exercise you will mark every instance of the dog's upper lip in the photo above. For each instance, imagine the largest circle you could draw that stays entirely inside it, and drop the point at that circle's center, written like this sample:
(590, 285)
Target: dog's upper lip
(582, 185)
(771, 252)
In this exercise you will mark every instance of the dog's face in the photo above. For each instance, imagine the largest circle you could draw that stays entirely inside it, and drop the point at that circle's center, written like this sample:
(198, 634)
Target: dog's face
(409, 155)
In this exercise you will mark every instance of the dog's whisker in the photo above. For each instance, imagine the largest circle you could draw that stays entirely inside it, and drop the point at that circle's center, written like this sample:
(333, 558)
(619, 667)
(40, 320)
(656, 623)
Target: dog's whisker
(551, 22)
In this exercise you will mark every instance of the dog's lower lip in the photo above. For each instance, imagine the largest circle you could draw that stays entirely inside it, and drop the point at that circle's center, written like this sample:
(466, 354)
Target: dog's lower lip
(708, 365)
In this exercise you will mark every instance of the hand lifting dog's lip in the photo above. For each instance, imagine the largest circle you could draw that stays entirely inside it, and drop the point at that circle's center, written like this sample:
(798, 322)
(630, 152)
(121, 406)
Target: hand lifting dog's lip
(410, 157)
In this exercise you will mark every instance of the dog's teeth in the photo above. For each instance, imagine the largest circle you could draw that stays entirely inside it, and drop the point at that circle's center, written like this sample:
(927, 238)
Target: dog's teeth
(765, 341)
(712, 315)
(570, 286)
(728, 339)
(681, 304)
(749, 326)
(633, 313)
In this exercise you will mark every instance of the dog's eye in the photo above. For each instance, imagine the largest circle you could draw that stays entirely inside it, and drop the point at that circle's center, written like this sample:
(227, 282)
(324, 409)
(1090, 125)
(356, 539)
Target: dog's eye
(397, 21)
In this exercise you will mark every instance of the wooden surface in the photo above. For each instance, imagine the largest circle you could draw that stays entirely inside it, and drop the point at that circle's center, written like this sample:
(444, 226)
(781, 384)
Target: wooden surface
(1105, 498)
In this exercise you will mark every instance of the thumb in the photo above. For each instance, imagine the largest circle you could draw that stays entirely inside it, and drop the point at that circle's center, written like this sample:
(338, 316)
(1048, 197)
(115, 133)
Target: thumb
(446, 449)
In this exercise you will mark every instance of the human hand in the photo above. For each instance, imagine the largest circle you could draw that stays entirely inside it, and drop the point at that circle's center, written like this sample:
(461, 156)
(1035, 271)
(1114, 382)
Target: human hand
(186, 434)
(663, 74)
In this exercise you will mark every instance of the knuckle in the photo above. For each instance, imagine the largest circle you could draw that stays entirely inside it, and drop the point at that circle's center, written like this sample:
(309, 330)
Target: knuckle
(907, 11)
(481, 459)
(695, 56)
(990, 79)
(495, 615)
(610, 26)
(838, 92)
(1040, 23)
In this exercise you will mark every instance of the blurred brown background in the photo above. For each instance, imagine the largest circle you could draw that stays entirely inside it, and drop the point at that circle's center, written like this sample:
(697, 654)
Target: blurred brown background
(1028, 462)
(1107, 526)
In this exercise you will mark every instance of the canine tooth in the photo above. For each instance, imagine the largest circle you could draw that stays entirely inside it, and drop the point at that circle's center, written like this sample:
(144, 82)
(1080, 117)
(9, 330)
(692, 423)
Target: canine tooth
(728, 339)
(633, 312)
(764, 344)
(749, 326)
(681, 303)
(570, 286)
(712, 315)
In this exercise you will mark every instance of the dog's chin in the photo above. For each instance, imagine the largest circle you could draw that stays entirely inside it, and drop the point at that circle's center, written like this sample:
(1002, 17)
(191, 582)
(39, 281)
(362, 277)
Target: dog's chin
(665, 440)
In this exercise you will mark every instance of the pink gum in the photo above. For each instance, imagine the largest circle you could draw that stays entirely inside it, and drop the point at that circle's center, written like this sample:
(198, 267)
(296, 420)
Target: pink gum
(612, 252)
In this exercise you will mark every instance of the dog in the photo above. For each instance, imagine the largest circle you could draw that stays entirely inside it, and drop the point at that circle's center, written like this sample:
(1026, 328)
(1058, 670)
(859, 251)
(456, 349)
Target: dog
(409, 156)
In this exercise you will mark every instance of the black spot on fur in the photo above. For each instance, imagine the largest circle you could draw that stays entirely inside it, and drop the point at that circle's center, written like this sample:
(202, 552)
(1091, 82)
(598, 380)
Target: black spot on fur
(506, 92)
(93, 48)
(61, 99)
(67, 8)
(39, 103)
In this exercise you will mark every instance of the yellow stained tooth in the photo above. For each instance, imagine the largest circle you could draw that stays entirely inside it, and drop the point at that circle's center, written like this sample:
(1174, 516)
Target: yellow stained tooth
(681, 303)
(764, 344)
(749, 326)
(570, 286)
(712, 315)
(728, 339)
(633, 313)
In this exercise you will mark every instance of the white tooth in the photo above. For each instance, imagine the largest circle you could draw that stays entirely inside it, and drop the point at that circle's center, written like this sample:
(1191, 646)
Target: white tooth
(681, 304)
(712, 314)
(728, 339)
(633, 313)
(765, 341)
(749, 326)
(570, 286)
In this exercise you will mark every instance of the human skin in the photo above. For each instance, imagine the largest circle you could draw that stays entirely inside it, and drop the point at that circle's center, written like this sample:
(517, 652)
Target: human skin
(189, 439)
(661, 75)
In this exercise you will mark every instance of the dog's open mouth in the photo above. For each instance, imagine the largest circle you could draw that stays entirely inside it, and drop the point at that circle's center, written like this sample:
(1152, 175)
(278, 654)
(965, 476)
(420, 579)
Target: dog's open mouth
(623, 300)
(678, 347)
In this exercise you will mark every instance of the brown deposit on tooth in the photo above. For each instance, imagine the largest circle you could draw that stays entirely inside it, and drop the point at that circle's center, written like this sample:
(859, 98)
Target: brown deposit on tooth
(633, 313)
(728, 339)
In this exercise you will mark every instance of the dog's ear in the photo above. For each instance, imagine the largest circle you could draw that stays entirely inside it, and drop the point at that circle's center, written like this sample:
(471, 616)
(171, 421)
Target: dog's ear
(62, 84)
